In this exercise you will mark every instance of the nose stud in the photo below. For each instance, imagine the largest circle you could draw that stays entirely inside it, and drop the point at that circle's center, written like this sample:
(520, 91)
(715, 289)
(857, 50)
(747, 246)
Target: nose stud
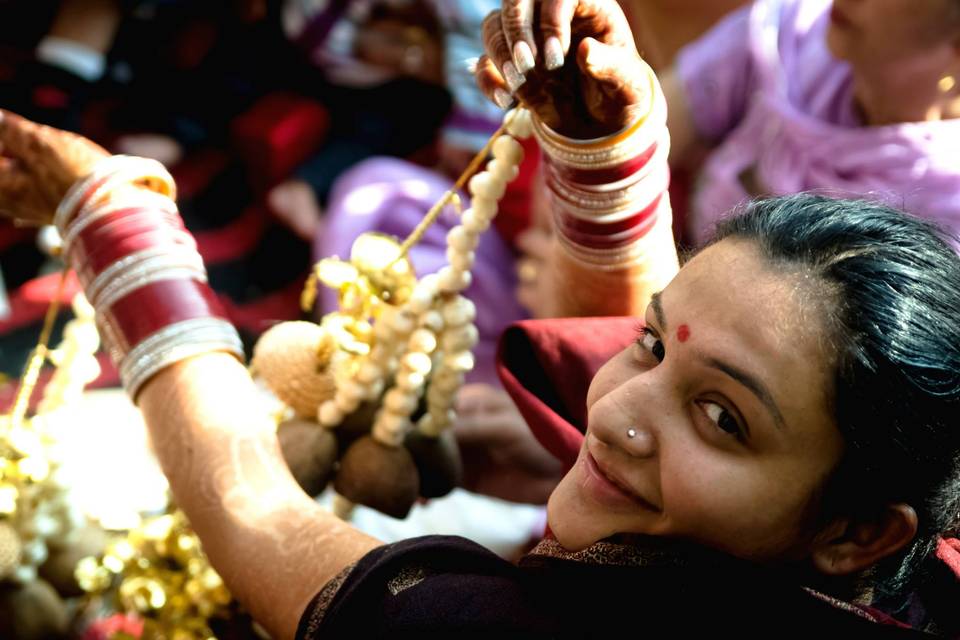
(631, 433)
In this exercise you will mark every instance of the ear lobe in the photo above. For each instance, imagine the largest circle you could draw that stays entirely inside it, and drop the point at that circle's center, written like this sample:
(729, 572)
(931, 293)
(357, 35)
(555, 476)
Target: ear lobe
(847, 546)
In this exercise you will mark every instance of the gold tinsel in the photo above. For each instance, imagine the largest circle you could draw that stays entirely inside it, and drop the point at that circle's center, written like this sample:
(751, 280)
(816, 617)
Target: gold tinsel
(159, 573)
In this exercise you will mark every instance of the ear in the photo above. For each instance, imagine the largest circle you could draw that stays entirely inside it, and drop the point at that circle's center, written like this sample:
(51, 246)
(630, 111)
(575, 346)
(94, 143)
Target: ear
(848, 546)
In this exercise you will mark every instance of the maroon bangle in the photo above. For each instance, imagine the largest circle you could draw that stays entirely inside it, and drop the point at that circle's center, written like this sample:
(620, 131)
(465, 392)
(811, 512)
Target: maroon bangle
(104, 233)
(168, 302)
(599, 235)
(88, 267)
(593, 177)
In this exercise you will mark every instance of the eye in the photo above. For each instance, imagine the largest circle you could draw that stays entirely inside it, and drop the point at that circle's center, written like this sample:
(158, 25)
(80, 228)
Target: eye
(648, 341)
(723, 419)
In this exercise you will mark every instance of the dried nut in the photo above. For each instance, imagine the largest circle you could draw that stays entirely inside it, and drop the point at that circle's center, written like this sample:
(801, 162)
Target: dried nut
(410, 381)
(461, 361)
(519, 123)
(487, 185)
(502, 170)
(432, 320)
(453, 280)
(474, 222)
(459, 260)
(329, 414)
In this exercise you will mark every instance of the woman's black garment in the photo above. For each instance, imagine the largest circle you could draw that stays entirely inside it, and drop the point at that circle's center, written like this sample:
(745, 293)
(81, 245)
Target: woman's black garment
(453, 588)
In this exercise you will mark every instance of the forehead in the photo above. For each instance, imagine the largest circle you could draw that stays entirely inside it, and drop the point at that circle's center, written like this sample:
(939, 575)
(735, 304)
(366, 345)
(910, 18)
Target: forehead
(745, 311)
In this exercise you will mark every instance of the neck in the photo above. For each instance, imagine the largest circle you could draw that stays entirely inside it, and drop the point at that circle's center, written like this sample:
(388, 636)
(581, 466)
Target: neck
(887, 97)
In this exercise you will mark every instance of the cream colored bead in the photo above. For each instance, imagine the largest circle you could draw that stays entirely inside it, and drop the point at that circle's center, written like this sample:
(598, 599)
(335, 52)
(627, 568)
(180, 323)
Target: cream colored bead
(417, 363)
(487, 185)
(375, 389)
(462, 338)
(443, 418)
(437, 397)
(459, 361)
(427, 426)
(346, 404)
(432, 320)
(393, 422)
(352, 390)
(459, 311)
(49, 240)
(448, 381)
(422, 340)
(403, 323)
(520, 123)
(484, 208)
(453, 280)
(410, 380)
(369, 373)
(474, 223)
(383, 329)
(401, 402)
(85, 334)
(461, 239)
(422, 298)
(459, 260)
(502, 170)
(508, 150)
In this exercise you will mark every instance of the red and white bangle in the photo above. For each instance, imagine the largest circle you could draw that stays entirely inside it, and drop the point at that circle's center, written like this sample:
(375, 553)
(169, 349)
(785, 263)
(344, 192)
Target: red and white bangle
(140, 269)
(608, 194)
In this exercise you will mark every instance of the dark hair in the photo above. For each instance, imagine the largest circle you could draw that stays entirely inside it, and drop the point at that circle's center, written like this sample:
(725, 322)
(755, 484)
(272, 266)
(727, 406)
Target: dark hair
(889, 289)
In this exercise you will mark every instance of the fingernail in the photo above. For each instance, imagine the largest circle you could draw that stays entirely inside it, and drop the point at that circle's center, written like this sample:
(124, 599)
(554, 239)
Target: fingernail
(512, 76)
(553, 53)
(470, 64)
(502, 98)
(523, 56)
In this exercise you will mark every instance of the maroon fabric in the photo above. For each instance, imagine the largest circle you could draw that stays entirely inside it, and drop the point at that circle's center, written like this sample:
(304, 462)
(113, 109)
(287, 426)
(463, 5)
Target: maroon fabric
(949, 552)
(546, 367)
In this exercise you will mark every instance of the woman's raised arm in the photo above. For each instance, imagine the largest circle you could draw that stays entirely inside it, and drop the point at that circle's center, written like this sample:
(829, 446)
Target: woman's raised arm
(600, 118)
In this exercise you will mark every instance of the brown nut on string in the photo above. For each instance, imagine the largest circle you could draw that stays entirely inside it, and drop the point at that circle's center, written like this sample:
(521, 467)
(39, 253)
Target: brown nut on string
(438, 462)
(310, 452)
(379, 476)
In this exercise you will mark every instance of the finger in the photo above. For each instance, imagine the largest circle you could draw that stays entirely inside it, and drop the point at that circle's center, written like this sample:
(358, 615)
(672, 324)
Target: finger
(517, 18)
(492, 84)
(528, 296)
(14, 184)
(14, 132)
(555, 19)
(498, 50)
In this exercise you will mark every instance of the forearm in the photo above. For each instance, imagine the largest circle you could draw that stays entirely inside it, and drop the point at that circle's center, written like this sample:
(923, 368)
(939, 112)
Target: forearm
(273, 546)
(179, 358)
(614, 244)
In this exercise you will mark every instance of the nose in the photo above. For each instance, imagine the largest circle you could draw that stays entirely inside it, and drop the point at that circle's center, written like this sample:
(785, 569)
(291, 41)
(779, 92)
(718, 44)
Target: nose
(639, 442)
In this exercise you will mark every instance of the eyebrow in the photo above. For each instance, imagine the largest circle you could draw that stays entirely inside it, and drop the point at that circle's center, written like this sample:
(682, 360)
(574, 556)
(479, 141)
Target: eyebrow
(754, 385)
(657, 305)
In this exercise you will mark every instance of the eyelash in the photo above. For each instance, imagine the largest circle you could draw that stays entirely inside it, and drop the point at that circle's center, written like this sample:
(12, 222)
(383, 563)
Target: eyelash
(649, 341)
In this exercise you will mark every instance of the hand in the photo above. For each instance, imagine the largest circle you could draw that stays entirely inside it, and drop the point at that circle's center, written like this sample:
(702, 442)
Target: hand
(577, 61)
(536, 281)
(38, 164)
(501, 457)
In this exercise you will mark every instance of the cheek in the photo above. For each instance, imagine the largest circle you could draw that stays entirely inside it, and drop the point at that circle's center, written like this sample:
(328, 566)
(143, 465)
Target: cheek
(727, 503)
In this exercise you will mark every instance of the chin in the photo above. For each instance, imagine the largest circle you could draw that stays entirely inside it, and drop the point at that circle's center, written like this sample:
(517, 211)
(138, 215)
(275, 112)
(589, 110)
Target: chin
(571, 521)
(837, 43)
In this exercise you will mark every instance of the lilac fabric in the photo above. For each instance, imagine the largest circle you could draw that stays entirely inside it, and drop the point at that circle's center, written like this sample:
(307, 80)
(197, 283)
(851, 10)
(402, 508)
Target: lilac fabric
(764, 87)
(391, 196)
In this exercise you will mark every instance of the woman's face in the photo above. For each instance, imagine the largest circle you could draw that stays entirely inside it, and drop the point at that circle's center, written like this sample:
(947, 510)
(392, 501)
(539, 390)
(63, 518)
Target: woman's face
(715, 425)
(882, 36)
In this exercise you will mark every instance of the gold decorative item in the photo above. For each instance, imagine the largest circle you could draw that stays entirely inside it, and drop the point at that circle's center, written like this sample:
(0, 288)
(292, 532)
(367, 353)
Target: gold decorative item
(402, 347)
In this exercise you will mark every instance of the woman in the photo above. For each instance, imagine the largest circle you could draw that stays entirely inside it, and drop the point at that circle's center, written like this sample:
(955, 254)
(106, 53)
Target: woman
(749, 442)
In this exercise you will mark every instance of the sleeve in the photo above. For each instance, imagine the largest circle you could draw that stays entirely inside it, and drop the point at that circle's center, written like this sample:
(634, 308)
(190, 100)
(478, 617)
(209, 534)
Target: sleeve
(435, 586)
(717, 74)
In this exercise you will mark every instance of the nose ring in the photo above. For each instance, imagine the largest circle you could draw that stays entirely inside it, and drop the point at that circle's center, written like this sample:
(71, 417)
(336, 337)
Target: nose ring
(631, 433)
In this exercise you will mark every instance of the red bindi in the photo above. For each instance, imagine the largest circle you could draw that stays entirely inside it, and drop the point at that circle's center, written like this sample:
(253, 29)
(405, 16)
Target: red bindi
(683, 333)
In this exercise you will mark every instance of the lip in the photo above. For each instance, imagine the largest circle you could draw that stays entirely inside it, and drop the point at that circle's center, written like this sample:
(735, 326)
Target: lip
(607, 489)
(839, 18)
